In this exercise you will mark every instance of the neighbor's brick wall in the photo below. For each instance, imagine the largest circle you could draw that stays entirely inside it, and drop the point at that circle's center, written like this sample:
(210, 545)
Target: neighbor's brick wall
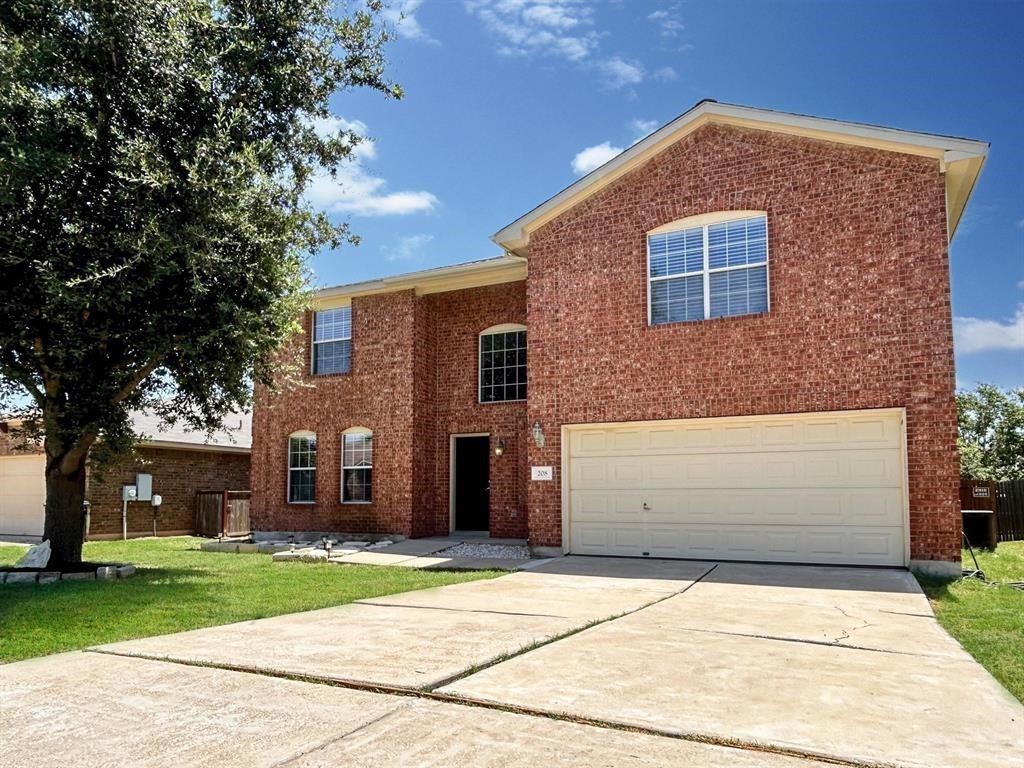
(860, 307)
(14, 444)
(177, 475)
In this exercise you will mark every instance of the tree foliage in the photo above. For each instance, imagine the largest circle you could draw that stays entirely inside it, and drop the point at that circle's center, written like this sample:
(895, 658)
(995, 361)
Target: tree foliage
(991, 438)
(153, 227)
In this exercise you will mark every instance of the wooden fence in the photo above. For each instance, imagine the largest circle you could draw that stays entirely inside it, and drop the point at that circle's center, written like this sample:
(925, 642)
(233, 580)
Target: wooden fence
(222, 513)
(1010, 510)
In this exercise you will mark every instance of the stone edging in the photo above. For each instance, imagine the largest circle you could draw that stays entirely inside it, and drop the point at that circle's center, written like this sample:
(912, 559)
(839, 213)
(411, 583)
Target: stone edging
(103, 573)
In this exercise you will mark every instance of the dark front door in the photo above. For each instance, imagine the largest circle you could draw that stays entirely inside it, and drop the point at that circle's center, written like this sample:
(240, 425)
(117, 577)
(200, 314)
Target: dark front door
(472, 483)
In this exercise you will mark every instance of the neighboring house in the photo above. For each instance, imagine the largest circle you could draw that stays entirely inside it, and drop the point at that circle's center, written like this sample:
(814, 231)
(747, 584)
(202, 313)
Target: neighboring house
(180, 461)
(732, 341)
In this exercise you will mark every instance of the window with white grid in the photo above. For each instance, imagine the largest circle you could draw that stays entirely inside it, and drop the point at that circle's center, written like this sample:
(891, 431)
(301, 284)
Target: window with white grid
(717, 269)
(302, 468)
(503, 364)
(332, 340)
(357, 467)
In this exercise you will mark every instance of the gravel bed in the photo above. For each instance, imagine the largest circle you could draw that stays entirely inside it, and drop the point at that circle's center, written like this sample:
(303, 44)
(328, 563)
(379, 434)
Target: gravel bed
(467, 549)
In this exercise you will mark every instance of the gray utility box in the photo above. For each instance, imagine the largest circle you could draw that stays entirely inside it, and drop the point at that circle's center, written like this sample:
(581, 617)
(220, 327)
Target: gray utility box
(144, 487)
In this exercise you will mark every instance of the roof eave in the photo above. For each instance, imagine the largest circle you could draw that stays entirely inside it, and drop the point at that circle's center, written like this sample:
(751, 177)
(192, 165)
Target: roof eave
(515, 237)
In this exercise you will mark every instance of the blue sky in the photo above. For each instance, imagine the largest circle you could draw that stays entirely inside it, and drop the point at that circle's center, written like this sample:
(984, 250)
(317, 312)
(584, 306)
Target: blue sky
(508, 101)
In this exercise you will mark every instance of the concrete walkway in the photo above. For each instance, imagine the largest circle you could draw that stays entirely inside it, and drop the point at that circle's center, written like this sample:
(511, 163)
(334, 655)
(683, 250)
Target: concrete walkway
(583, 661)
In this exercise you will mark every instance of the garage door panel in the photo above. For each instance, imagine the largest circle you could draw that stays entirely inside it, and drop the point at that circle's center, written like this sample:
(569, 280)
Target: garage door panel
(22, 495)
(826, 488)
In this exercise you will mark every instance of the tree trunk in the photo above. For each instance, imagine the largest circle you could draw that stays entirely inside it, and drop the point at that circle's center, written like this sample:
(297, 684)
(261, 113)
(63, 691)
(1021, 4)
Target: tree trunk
(65, 518)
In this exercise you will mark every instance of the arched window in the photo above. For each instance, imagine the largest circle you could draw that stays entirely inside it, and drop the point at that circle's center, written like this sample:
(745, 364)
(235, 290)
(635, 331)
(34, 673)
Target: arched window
(356, 466)
(712, 265)
(302, 468)
(503, 363)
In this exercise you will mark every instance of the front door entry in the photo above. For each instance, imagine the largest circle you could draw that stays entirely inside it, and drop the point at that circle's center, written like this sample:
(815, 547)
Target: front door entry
(472, 486)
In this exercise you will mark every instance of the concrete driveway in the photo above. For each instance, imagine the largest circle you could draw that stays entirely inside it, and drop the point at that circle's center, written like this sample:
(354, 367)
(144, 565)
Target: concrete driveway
(583, 661)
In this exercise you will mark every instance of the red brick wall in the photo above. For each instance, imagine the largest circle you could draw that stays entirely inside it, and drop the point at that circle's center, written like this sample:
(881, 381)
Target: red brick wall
(457, 318)
(413, 383)
(860, 307)
(377, 394)
(177, 475)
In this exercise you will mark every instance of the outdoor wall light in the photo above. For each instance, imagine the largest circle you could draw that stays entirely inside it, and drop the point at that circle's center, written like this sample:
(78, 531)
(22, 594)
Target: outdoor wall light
(499, 447)
(538, 434)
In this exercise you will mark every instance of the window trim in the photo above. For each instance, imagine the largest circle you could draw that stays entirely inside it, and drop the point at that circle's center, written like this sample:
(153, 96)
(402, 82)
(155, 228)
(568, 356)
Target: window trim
(313, 341)
(302, 433)
(362, 432)
(704, 221)
(496, 329)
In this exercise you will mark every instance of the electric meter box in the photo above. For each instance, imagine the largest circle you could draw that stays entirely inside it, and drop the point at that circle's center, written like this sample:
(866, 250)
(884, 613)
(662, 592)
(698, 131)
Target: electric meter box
(144, 487)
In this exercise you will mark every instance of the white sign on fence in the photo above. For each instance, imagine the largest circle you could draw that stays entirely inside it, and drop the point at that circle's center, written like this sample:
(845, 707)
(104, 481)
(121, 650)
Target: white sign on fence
(981, 492)
(542, 473)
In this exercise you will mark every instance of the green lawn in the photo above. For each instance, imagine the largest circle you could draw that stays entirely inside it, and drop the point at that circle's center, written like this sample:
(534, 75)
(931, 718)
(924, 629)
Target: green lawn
(987, 619)
(178, 588)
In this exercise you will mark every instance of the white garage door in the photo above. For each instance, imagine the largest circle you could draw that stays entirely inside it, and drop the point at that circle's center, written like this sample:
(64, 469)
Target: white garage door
(22, 495)
(806, 488)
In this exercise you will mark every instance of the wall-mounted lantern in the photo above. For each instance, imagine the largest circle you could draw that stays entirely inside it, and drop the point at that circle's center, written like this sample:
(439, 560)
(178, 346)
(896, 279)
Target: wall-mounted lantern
(499, 447)
(538, 434)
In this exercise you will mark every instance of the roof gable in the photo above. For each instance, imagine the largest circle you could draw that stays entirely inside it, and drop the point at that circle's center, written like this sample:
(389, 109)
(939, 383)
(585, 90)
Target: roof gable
(959, 159)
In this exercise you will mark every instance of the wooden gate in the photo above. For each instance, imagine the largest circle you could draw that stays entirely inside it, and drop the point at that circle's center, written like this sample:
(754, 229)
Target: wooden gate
(1010, 510)
(222, 513)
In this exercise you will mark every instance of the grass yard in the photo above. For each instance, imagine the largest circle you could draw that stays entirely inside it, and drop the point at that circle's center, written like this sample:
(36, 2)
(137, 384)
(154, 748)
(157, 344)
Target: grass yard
(987, 619)
(178, 587)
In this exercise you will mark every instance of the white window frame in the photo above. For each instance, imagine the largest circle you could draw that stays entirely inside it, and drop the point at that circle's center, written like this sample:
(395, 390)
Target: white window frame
(704, 221)
(299, 435)
(495, 329)
(360, 432)
(314, 341)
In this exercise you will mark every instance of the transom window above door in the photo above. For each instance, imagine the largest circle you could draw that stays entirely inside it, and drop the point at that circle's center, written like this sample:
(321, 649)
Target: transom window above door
(503, 364)
(714, 265)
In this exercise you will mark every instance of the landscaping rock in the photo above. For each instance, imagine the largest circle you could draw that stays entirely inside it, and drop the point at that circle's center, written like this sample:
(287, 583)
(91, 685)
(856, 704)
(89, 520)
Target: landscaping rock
(248, 548)
(355, 544)
(106, 572)
(306, 555)
(49, 577)
(271, 547)
(22, 578)
(37, 556)
(82, 576)
(125, 571)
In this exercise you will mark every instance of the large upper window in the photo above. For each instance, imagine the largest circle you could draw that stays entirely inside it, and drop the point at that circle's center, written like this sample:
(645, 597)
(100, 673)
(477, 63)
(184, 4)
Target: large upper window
(503, 364)
(332, 340)
(357, 465)
(713, 269)
(302, 468)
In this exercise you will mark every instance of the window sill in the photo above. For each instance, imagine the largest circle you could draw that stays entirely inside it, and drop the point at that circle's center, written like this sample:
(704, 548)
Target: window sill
(335, 374)
(705, 320)
(356, 503)
(500, 402)
(301, 503)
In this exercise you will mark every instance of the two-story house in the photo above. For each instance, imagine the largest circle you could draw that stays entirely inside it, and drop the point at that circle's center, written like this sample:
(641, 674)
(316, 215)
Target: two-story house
(732, 341)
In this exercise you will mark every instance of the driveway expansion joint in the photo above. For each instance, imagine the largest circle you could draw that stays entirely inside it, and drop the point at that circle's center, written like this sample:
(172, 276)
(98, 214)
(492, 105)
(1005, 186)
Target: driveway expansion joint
(469, 701)
(457, 610)
(807, 641)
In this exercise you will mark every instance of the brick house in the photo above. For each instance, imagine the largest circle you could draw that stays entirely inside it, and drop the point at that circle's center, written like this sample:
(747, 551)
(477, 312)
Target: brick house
(732, 341)
(180, 462)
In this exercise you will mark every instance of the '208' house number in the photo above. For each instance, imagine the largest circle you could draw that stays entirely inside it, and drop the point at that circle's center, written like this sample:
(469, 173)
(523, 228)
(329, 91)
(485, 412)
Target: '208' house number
(542, 473)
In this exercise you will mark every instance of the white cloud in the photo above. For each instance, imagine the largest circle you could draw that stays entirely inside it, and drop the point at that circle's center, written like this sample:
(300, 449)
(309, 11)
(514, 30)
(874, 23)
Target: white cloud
(353, 189)
(593, 157)
(406, 247)
(668, 21)
(641, 128)
(403, 16)
(972, 334)
(558, 28)
(618, 73)
(666, 74)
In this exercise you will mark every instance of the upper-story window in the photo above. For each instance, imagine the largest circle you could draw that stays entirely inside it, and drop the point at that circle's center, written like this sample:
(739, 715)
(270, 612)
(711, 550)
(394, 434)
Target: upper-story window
(302, 468)
(503, 364)
(715, 265)
(332, 340)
